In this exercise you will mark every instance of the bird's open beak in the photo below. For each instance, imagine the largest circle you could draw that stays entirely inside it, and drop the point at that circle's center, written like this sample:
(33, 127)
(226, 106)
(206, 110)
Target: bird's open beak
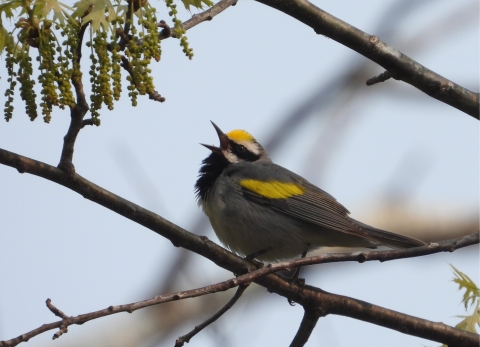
(223, 141)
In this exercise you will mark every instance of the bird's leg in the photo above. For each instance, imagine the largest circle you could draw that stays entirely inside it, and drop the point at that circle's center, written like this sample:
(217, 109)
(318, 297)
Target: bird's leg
(297, 270)
(294, 279)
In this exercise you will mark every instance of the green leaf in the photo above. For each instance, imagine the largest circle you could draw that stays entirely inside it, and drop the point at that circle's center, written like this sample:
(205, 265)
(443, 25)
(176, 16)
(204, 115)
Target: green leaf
(42, 9)
(469, 323)
(4, 38)
(102, 12)
(471, 295)
(7, 7)
(472, 292)
(197, 3)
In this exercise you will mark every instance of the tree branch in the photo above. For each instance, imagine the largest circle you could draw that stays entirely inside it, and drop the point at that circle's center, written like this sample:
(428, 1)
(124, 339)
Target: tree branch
(159, 299)
(349, 307)
(81, 108)
(77, 112)
(126, 28)
(399, 65)
(154, 95)
(310, 319)
(306, 296)
(187, 337)
(243, 281)
(387, 255)
(207, 15)
(361, 257)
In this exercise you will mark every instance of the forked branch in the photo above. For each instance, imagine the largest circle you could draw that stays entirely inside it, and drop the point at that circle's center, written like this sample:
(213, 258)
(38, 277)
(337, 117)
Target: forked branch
(187, 337)
(66, 321)
(78, 112)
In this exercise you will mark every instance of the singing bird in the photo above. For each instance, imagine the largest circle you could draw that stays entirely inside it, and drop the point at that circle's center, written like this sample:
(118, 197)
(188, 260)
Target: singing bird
(260, 208)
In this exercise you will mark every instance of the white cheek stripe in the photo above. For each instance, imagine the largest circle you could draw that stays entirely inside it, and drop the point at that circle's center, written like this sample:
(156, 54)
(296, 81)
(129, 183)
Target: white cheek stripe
(232, 158)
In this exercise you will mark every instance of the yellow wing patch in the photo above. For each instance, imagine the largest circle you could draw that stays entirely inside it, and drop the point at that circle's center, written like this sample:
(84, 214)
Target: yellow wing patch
(240, 135)
(273, 189)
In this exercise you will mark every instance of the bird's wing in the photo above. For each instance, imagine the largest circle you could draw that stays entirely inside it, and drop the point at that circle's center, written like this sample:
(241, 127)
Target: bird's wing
(301, 201)
(297, 198)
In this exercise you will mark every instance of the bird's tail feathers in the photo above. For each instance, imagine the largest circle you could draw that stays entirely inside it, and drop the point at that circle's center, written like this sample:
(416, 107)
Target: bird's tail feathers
(388, 238)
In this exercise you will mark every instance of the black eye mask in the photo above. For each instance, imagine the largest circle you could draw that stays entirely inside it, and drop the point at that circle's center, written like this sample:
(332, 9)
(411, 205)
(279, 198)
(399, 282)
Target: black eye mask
(242, 152)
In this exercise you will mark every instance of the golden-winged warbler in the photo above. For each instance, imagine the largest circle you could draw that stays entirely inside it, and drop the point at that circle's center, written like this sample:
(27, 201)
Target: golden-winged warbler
(258, 207)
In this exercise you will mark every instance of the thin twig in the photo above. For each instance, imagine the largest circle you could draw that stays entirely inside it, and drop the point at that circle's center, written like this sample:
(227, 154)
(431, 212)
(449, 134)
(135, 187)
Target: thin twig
(128, 67)
(88, 121)
(123, 34)
(159, 299)
(382, 256)
(63, 328)
(166, 31)
(207, 15)
(380, 78)
(123, 37)
(55, 310)
(187, 337)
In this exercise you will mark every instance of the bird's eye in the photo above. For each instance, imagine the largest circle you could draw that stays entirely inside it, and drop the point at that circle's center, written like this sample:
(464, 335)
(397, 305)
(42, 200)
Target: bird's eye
(241, 148)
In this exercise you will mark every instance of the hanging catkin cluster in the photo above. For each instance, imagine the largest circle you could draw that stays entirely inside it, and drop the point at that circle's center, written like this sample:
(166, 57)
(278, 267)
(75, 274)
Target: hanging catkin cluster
(122, 37)
(54, 65)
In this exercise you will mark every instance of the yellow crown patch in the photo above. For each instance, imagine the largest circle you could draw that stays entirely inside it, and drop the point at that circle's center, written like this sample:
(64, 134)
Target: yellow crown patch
(240, 135)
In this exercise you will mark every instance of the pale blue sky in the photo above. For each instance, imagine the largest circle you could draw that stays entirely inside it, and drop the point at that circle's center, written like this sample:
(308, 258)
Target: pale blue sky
(253, 66)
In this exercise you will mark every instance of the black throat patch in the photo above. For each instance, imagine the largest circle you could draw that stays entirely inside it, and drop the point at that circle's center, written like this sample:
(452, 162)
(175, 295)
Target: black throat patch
(212, 167)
